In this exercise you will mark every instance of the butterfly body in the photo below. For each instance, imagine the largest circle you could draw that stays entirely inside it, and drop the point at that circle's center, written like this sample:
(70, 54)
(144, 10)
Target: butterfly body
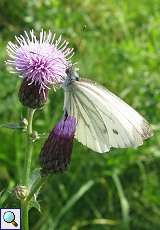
(103, 119)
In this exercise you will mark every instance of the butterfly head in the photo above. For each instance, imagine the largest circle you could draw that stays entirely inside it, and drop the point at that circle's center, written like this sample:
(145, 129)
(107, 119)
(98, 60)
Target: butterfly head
(72, 75)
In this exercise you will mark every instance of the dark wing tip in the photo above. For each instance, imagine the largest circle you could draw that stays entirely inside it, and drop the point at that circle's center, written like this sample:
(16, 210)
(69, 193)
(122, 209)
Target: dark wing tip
(147, 130)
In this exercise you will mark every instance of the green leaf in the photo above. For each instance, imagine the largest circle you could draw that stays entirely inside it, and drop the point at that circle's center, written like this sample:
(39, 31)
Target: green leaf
(11, 126)
(100, 222)
(72, 201)
(35, 176)
(33, 203)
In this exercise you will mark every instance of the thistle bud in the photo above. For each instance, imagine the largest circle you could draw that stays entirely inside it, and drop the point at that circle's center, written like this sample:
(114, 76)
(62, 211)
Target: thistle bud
(21, 192)
(23, 123)
(55, 155)
(31, 95)
(35, 136)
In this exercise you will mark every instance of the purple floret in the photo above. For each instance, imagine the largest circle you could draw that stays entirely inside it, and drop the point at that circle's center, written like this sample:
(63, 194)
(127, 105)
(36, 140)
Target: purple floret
(41, 62)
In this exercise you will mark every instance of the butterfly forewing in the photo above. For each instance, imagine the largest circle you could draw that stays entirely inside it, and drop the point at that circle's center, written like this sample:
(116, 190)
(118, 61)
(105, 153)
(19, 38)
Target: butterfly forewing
(91, 130)
(104, 120)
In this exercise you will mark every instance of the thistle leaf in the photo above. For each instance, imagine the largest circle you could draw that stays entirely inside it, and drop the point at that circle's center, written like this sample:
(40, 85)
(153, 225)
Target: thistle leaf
(35, 176)
(33, 203)
(11, 126)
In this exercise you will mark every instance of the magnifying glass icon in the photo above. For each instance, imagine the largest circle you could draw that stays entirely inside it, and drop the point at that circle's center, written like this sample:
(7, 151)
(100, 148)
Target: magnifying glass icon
(9, 218)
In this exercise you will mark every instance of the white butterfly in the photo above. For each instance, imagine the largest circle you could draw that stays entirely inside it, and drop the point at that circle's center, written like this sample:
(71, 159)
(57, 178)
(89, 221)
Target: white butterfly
(103, 119)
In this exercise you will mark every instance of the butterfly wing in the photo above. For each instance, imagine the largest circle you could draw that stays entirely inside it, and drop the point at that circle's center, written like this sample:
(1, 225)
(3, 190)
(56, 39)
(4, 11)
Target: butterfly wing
(91, 130)
(104, 120)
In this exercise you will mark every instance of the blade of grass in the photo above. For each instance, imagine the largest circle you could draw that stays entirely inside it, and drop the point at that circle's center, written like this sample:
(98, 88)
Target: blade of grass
(72, 201)
(94, 222)
(123, 201)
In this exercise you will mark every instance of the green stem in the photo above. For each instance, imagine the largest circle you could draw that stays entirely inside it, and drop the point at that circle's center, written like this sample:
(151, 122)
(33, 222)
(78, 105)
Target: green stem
(27, 168)
(24, 209)
(29, 148)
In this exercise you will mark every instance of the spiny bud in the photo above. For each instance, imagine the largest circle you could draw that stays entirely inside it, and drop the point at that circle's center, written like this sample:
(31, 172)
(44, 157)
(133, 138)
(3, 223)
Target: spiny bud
(55, 155)
(31, 95)
(35, 135)
(23, 123)
(21, 192)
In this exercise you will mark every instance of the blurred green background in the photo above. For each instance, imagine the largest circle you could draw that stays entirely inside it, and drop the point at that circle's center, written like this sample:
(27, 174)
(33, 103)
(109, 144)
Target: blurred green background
(117, 43)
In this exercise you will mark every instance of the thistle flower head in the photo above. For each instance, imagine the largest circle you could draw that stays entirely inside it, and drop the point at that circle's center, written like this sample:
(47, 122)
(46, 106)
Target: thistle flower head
(42, 64)
(55, 155)
(42, 61)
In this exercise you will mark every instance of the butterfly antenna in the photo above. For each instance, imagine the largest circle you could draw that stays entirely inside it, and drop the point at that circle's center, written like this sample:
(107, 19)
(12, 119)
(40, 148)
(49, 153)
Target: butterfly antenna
(83, 30)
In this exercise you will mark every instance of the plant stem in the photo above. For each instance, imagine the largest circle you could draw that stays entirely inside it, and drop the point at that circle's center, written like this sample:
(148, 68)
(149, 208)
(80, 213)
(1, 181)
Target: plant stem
(24, 210)
(29, 148)
(27, 168)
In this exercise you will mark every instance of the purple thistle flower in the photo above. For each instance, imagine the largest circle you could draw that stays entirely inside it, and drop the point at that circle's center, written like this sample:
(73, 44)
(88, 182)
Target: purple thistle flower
(55, 155)
(41, 63)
